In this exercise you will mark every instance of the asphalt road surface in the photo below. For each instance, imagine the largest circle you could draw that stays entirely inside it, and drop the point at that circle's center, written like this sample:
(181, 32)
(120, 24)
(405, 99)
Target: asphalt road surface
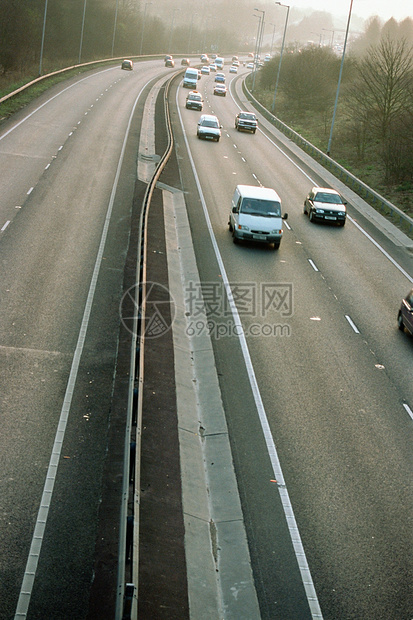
(333, 372)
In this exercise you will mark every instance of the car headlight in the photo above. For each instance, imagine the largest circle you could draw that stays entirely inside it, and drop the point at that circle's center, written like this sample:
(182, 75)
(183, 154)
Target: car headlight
(319, 210)
(241, 227)
(341, 213)
(276, 232)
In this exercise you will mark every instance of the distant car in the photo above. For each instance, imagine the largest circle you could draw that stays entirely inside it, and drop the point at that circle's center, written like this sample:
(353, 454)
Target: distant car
(127, 65)
(204, 58)
(194, 101)
(325, 205)
(246, 121)
(168, 57)
(405, 315)
(234, 58)
(205, 70)
(185, 62)
(235, 63)
(220, 77)
(209, 128)
(233, 69)
(220, 89)
(250, 65)
(213, 66)
(169, 62)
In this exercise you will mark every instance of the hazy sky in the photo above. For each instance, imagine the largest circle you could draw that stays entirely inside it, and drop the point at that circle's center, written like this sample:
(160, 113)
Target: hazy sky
(385, 9)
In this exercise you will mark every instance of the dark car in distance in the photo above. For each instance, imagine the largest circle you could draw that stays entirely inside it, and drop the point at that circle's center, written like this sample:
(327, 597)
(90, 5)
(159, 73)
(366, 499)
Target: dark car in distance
(405, 315)
(127, 65)
(325, 205)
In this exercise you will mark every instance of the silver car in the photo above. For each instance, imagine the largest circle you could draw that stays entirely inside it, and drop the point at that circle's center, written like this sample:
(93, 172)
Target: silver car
(209, 127)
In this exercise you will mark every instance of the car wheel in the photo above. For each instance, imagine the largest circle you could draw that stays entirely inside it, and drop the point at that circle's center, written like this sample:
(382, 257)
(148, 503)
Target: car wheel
(234, 238)
(217, 139)
(305, 210)
(342, 223)
(276, 245)
(312, 218)
(253, 131)
(400, 321)
(230, 226)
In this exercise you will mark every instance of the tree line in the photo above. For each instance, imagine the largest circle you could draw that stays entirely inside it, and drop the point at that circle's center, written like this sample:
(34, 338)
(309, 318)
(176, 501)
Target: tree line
(104, 29)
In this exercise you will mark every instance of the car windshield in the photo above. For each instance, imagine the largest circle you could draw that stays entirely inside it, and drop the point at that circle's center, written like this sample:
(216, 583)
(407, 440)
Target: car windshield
(250, 117)
(210, 123)
(194, 97)
(330, 198)
(265, 208)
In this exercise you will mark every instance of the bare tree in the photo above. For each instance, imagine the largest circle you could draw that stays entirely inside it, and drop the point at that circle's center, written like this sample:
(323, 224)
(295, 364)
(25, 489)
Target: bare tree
(384, 87)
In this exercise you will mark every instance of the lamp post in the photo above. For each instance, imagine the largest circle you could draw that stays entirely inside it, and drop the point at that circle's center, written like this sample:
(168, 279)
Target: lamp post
(281, 55)
(43, 33)
(258, 44)
(190, 32)
(272, 40)
(82, 31)
(143, 26)
(172, 27)
(339, 79)
(332, 36)
(114, 27)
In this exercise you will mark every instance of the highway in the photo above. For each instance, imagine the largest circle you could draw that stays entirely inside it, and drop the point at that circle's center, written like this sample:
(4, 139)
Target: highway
(334, 375)
(329, 374)
(68, 164)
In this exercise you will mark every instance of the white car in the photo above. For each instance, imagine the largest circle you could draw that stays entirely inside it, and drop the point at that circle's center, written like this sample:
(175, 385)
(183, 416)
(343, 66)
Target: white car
(209, 128)
(205, 70)
(233, 69)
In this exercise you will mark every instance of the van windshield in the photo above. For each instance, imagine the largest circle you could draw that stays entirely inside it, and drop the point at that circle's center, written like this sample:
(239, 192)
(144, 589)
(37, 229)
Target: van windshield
(264, 208)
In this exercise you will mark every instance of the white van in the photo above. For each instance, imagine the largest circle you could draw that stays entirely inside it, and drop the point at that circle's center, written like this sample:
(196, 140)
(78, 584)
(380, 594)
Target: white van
(256, 215)
(219, 62)
(191, 78)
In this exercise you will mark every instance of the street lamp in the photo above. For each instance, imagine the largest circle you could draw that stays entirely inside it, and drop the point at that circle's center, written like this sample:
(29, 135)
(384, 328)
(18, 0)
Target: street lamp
(172, 27)
(82, 31)
(114, 27)
(339, 79)
(258, 44)
(43, 33)
(332, 36)
(281, 55)
(273, 35)
(143, 26)
(190, 32)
